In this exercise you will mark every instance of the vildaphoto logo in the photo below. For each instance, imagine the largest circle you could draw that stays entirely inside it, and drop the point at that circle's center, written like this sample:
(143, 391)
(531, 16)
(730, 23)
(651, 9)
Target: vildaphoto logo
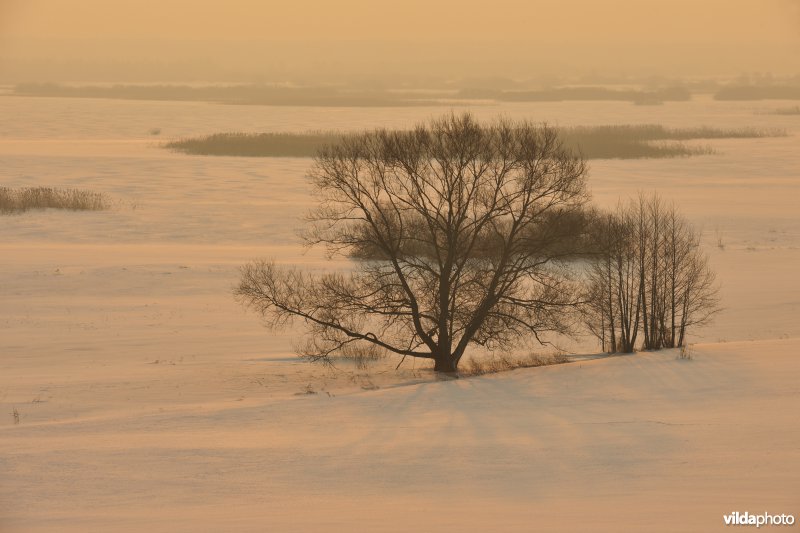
(758, 520)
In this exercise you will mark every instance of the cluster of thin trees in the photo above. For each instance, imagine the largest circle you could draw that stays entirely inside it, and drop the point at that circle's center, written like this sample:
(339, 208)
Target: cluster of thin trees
(649, 282)
(463, 233)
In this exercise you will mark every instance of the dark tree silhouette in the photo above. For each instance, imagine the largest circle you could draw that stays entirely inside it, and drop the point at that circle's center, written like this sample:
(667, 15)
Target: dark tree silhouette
(455, 233)
(650, 279)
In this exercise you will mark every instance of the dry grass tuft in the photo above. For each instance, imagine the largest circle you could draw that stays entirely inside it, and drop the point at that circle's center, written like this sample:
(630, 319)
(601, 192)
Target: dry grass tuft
(505, 363)
(361, 355)
(26, 198)
(686, 352)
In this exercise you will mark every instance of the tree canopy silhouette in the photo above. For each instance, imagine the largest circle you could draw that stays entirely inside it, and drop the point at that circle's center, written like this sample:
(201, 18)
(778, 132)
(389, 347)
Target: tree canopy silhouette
(454, 229)
(650, 279)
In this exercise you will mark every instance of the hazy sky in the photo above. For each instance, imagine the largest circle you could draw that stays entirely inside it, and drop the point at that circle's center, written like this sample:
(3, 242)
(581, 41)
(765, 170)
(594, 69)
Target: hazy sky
(313, 38)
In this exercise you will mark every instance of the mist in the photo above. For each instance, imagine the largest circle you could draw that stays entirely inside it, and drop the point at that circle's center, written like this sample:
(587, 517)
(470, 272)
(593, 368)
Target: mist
(390, 43)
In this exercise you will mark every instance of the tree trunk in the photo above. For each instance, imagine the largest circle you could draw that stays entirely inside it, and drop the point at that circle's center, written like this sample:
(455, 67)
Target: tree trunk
(445, 363)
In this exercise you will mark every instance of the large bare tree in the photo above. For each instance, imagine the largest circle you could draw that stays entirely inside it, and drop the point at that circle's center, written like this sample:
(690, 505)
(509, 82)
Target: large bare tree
(456, 236)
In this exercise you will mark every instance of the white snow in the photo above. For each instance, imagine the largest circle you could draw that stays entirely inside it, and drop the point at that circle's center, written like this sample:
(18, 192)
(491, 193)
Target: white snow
(643, 442)
(149, 400)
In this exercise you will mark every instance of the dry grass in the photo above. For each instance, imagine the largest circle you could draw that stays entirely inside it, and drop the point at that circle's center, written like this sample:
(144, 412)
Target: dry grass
(362, 356)
(505, 363)
(26, 198)
(594, 142)
(686, 352)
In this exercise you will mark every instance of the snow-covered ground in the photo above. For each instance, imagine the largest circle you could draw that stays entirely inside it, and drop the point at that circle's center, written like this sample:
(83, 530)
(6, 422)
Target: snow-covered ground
(632, 443)
(146, 398)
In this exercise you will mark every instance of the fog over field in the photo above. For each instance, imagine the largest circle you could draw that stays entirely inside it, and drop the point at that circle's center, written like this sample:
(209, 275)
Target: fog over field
(164, 163)
(375, 42)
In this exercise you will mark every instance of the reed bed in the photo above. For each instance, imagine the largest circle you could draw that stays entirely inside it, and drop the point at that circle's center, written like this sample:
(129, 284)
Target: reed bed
(594, 142)
(256, 144)
(505, 363)
(758, 92)
(26, 198)
(785, 111)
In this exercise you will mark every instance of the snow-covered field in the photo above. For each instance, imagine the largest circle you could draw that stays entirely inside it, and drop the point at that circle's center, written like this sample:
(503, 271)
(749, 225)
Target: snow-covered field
(148, 399)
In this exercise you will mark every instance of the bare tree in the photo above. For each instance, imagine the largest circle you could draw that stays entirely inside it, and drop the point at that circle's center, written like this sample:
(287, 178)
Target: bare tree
(650, 277)
(613, 305)
(457, 227)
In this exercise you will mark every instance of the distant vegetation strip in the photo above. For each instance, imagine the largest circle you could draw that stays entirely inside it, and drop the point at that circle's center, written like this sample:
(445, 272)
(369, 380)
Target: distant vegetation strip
(257, 144)
(587, 93)
(784, 111)
(347, 97)
(339, 96)
(759, 92)
(594, 142)
(234, 94)
(23, 199)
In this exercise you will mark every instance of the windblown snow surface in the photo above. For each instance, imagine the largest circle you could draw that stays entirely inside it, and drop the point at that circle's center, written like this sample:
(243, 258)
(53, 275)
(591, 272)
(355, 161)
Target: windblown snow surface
(136, 395)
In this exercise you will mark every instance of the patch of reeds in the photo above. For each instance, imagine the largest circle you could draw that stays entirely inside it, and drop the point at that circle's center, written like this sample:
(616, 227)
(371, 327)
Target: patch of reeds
(594, 142)
(361, 355)
(504, 363)
(593, 94)
(26, 198)
(651, 140)
(758, 92)
(784, 111)
(256, 144)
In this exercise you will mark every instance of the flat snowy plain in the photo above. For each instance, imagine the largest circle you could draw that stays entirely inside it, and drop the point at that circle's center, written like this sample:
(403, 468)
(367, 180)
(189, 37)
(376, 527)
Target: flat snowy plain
(147, 399)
